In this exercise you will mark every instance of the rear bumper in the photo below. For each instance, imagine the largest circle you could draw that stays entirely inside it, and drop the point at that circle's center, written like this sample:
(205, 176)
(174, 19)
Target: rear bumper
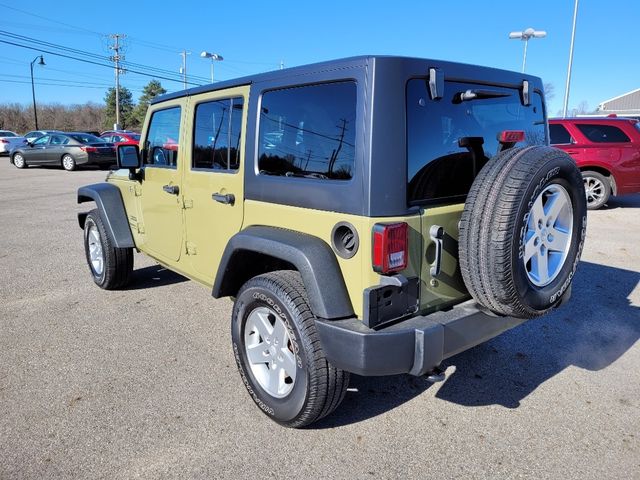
(414, 346)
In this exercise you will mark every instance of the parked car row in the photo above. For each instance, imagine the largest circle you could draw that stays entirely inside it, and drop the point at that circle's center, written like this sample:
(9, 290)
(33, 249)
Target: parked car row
(66, 149)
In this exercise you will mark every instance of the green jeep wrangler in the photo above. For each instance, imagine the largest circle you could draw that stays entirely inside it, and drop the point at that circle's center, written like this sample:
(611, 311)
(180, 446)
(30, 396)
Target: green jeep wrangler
(373, 215)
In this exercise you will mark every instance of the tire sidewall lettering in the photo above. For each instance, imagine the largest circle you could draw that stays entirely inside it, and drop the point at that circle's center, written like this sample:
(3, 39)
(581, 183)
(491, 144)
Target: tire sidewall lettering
(540, 299)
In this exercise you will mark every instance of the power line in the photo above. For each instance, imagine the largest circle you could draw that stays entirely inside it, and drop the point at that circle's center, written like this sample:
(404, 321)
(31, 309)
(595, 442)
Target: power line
(137, 72)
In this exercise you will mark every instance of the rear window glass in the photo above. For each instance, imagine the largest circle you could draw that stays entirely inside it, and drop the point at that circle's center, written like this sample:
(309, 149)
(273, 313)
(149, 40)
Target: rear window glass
(4, 133)
(439, 169)
(558, 134)
(309, 131)
(86, 138)
(602, 133)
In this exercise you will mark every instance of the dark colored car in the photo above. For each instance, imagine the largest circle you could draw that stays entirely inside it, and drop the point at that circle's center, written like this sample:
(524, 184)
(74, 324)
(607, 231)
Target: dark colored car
(607, 151)
(69, 150)
(121, 137)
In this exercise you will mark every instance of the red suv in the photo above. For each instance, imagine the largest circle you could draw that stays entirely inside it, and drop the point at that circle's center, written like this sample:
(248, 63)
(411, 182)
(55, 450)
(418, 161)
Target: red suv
(607, 151)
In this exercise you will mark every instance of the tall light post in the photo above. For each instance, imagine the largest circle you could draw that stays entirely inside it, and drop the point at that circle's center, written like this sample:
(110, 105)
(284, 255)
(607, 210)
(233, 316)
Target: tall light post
(214, 58)
(573, 37)
(525, 36)
(33, 88)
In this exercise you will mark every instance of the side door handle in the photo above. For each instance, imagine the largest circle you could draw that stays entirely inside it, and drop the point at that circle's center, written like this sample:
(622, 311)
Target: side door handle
(573, 152)
(228, 199)
(172, 189)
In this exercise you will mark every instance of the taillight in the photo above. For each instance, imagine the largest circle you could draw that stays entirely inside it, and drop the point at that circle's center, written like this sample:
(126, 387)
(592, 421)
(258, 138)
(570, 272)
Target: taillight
(390, 247)
(4, 141)
(89, 149)
(511, 136)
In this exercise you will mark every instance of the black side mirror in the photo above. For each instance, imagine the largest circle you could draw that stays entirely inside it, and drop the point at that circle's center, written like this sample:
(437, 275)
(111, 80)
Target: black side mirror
(128, 156)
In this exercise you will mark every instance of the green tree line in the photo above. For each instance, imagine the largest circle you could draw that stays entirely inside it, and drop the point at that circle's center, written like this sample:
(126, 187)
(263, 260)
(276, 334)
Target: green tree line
(88, 116)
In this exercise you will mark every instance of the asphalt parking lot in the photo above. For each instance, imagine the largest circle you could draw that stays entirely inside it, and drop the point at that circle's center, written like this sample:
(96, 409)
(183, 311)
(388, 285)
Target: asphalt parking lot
(141, 383)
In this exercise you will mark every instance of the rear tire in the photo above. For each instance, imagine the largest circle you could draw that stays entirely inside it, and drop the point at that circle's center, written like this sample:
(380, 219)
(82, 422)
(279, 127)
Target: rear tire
(69, 163)
(597, 189)
(522, 231)
(278, 351)
(110, 267)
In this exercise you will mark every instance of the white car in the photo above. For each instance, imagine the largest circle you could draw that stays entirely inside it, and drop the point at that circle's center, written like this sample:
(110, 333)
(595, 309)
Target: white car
(9, 140)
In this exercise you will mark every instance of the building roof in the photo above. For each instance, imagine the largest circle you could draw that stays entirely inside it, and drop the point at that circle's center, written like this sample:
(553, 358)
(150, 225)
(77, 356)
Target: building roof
(629, 101)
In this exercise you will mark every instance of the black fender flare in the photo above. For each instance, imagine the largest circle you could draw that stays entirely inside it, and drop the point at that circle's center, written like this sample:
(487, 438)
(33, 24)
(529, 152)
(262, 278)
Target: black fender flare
(108, 199)
(310, 255)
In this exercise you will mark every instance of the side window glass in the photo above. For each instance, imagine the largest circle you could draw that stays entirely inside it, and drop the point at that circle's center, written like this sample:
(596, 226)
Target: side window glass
(602, 133)
(42, 140)
(161, 145)
(217, 129)
(309, 131)
(559, 134)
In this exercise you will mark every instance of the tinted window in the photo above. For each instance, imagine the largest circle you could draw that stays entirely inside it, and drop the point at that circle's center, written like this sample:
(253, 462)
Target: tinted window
(309, 131)
(86, 138)
(602, 133)
(59, 140)
(216, 143)
(161, 146)
(438, 168)
(135, 137)
(4, 133)
(559, 135)
(41, 140)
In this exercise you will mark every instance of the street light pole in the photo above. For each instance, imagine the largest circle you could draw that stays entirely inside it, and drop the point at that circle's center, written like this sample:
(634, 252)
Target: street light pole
(573, 37)
(33, 88)
(525, 36)
(214, 58)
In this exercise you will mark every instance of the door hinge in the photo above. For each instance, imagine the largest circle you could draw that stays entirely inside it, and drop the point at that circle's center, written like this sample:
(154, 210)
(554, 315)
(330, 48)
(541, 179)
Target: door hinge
(137, 190)
(187, 203)
(191, 248)
(140, 228)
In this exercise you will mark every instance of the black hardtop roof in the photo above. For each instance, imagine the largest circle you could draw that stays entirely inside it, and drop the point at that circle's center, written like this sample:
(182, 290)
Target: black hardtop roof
(329, 65)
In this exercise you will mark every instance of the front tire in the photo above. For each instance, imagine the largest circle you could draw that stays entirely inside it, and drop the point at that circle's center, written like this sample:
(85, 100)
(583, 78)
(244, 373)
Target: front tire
(597, 189)
(278, 352)
(69, 163)
(19, 161)
(110, 267)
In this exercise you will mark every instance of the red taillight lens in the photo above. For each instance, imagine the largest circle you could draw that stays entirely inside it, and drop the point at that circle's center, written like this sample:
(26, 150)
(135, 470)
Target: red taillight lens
(511, 136)
(4, 141)
(89, 149)
(390, 247)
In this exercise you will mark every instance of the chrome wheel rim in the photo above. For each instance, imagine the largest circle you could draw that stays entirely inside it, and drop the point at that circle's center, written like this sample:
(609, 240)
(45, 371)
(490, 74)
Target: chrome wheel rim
(548, 236)
(96, 256)
(67, 162)
(269, 352)
(594, 189)
(18, 161)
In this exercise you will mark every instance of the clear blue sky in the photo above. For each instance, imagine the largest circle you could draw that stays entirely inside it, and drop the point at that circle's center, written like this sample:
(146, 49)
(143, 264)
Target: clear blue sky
(255, 36)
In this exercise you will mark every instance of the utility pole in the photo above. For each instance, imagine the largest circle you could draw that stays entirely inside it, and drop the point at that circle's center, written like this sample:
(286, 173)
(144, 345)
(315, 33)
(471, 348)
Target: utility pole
(183, 70)
(334, 154)
(115, 58)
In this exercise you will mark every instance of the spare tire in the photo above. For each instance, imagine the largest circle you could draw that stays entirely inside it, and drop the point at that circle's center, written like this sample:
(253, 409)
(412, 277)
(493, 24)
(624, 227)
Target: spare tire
(522, 231)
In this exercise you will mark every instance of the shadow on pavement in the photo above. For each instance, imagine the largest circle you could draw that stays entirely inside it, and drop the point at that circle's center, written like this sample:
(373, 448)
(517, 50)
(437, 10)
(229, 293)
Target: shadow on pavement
(154, 276)
(624, 201)
(597, 327)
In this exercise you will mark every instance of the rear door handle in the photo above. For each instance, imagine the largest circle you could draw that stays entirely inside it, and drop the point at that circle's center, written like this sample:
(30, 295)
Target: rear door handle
(228, 199)
(572, 152)
(172, 189)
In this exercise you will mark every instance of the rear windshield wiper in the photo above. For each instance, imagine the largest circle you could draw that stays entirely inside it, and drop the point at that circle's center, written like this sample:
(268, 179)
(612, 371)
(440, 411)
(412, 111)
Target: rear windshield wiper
(477, 95)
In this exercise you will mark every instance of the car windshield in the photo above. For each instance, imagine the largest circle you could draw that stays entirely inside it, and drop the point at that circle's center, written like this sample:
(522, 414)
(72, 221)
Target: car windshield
(6, 133)
(86, 138)
(637, 125)
(135, 137)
